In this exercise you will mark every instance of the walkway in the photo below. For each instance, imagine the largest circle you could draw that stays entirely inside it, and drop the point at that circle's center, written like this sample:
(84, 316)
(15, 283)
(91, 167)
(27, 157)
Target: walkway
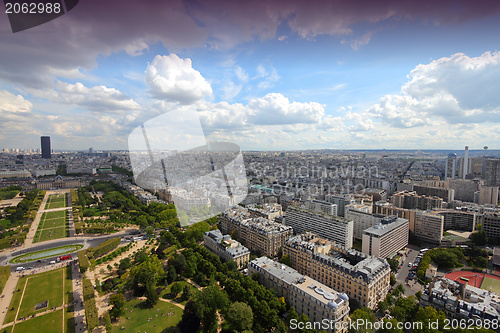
(8, 292)
(79, 311)
(34, 225)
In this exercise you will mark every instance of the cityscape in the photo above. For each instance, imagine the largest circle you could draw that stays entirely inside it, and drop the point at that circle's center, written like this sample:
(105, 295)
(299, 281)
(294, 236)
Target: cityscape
(222, 166)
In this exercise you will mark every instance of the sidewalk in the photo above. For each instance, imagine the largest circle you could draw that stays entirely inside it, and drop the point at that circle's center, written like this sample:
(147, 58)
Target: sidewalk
(7, 294)
(34, 225)
(79, 311)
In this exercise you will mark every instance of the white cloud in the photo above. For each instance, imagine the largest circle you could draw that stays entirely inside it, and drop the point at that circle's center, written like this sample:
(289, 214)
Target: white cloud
(241, 74)
(363, 40)
(13, 103)
(268, 77)
(457, 89)
(97, 98)
(174, 79)
(274, 109)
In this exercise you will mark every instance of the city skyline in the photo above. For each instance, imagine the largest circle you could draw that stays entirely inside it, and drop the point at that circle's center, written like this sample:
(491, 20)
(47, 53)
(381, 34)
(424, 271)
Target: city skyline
(266, 76)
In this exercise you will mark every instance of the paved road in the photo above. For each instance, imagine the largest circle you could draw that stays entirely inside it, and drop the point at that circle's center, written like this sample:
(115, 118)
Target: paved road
(86, 241)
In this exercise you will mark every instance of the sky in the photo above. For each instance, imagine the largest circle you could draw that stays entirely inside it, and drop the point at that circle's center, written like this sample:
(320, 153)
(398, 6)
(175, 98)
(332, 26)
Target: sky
(266, 75)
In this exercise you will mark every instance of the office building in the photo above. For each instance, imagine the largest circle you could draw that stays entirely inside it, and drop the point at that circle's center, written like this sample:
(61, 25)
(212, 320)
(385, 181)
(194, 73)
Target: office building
(411, 200)
(46, 152)
(429, 226)
(490, 223)
(308, 296)
(334, 228)
(386, 238)
(360, 276)
(226, 248)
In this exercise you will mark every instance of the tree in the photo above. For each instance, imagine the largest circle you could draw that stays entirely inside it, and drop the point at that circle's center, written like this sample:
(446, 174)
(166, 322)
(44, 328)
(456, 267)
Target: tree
(286, 260)
(107, 322)
(479, 238)
(190, 321)
(186, 292)
(394, 263)
(118, 302)
(208, 301)
(366, 315)
(393, 280)
(176, 288)
(390, 326)
(152, 296)
(239, 316)
(429, 315)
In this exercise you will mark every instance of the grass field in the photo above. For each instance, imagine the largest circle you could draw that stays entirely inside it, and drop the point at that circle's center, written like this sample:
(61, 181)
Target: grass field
(4, 276)
(52, 226)
(47, 286)
(49, 323)
(56, 201)
(139, 317)
(39, 288)
(491, 283)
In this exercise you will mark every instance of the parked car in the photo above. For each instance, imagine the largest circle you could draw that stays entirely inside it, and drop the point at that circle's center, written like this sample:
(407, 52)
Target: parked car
(409, 264)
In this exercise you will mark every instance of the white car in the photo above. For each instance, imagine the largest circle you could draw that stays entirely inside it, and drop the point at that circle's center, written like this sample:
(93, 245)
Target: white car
(409, 264)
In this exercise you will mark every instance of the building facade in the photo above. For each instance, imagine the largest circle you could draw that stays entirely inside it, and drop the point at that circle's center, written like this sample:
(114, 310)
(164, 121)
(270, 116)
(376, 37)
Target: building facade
(386, 238)
(256, 233)
(334, 228)
(360, 276)
(429, 226)
(226, 248)
(45, 142)
(308, 296)
(361, 221)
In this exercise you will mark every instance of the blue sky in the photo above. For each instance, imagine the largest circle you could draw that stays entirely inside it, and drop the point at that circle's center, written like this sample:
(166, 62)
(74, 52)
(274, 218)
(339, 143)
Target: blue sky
(265, 75)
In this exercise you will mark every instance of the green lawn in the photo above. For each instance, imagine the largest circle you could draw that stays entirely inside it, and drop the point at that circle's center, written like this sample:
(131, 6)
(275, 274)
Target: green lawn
(56, 214)
(53, 223)
(493, 283)
(16, 299)
(42, 287)
(4, 276)
(49, 234)
(48, 323)
(139, 317)
(52, 226)
(56, 201)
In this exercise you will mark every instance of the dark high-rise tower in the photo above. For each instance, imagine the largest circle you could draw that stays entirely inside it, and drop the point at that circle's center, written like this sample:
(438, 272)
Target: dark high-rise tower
(45, 146)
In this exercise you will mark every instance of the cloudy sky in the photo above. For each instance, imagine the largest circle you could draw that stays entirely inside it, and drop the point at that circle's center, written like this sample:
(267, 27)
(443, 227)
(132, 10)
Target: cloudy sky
(267, 75)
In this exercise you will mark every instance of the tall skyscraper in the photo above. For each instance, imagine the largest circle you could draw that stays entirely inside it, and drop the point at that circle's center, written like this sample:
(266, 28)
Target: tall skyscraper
(466, 162)
(492, 172)
(46, 147)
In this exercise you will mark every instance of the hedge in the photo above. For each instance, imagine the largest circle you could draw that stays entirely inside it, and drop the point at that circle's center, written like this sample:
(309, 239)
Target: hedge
(91, 314)
(83, 260)
(88, 289)
(107, 246)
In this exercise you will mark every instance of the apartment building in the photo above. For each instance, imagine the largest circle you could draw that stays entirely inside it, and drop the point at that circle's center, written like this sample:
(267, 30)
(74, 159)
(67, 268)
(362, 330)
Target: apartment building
(411, 200)
(461, 301)
(386, 208)
(268, 211)
(256, 233)
(334, 228)
(308, 296)
(226, 248)
(491, 225)
(386, 238)
(429, 226)
(321, 207)
(455, 219)
(361, 220)
(362, 277)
